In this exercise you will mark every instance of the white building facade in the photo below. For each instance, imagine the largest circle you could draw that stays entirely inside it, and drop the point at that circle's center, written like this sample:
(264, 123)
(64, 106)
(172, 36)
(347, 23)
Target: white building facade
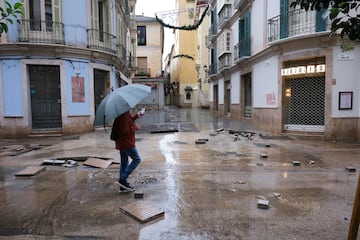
(279, 68)
(60, 61)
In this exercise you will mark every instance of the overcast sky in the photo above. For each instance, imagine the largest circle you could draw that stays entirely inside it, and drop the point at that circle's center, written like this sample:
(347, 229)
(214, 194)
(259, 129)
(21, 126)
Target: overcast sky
(149, 8)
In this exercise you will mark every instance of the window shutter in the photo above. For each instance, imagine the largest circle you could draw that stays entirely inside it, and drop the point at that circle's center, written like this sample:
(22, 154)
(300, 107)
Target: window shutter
(247, 34)
(94, 15)
(56, 5)
(320, 21)
(284, 8)
(26, 9)
(107, 16)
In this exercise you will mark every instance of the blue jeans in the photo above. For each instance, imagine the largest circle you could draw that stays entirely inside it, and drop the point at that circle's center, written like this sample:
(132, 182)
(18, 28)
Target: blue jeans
(125, 168)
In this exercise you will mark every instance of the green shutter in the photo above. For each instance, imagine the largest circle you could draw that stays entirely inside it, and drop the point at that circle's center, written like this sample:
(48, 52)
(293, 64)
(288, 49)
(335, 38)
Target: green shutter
(284, 9)
(247, 34)
(320, 21)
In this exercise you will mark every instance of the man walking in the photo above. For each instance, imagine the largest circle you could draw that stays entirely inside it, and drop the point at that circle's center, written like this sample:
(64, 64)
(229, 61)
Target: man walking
(125, 126)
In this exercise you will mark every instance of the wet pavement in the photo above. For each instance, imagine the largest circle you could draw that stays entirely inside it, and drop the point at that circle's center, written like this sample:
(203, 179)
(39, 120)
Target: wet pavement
(208, 190)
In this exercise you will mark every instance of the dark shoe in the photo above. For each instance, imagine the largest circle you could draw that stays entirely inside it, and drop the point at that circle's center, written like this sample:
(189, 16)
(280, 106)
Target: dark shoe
(123, 190)
(124, 184)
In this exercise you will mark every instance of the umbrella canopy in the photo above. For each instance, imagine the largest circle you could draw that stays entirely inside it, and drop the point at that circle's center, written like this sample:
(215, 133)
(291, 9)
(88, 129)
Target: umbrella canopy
(119, 101)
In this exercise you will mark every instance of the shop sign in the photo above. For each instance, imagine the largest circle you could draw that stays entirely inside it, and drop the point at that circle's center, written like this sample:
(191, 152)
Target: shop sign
(303, 70)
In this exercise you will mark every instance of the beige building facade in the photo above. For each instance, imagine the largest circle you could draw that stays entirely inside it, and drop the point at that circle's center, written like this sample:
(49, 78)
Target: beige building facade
(150, 47)
(188, 57)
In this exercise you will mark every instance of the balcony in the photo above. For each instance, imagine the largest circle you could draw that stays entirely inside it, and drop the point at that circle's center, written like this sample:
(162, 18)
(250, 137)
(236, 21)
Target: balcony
(213, 69)
(35, 31)
(225, 62)
(224, 16)
(242, 49)
(101, 41)
(295, 23)
(212, 32)
(122, 52)
(143, 72)
(48, 32)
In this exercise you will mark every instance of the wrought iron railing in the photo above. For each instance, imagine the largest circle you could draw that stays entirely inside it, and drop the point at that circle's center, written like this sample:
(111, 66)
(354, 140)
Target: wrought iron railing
(225, 61)
(101, 40)
(224, 15)
(36, 31)
(242, 49)
(122, 52)
(143, 72)
(293, 23)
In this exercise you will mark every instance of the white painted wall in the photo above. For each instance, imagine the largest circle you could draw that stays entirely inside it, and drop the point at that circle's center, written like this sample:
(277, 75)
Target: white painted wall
(346, 73)
(258, 24)
(273, 8)
(265, 77)
(221, 90)
(235, 88)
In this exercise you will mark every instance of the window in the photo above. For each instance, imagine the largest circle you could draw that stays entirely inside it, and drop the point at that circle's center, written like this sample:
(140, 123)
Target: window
(41, 15)
(141, 35)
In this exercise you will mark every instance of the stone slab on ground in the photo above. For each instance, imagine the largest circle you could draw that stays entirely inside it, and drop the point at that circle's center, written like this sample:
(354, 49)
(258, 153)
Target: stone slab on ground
(30, 171)
(139, 193)
(142, 211)
(98, 163)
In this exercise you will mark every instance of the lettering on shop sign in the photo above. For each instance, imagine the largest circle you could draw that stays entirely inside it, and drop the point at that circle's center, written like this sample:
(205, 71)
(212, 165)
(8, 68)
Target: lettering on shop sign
(320, 68)
(270, 99)
(78, 89)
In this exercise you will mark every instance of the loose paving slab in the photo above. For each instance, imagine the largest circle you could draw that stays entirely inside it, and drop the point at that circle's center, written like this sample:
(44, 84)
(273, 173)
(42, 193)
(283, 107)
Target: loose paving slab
(30, 171)
(142, 211)
(98, 163)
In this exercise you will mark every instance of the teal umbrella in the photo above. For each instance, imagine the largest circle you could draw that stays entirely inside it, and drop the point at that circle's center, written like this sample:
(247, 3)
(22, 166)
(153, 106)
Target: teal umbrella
(119, 101)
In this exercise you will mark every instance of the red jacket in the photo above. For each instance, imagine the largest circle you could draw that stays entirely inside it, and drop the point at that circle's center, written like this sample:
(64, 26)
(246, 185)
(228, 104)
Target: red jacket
(125, 126)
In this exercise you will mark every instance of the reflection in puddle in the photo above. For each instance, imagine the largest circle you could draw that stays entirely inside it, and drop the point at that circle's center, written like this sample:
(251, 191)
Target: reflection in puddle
(166, 145)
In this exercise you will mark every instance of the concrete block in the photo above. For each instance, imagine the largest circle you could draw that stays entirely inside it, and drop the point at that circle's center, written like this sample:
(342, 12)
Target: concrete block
(203, 139)
(53, 162)
(296, 163)
(263, 204)
(200, 142)
(139, 194)
(350, 169)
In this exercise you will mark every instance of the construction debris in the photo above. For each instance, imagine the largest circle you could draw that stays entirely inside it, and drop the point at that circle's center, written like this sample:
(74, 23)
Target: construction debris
(263, 204)
(30, 171)
(139, 194)
(98, 163)
(53, 162)
(142, 211)
(296, 163)
(350, 169)
(200, 141)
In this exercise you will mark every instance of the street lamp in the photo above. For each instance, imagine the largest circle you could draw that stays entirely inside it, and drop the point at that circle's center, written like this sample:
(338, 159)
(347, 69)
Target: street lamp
(206, 72)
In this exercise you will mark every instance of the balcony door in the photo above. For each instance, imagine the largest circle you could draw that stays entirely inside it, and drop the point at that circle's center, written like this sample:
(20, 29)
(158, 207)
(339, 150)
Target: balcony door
(42, 21)
(100, 34)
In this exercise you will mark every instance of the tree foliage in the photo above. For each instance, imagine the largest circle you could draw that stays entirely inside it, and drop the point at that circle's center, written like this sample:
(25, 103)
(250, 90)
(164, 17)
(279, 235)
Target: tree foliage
(8, 14)
(344, 14)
